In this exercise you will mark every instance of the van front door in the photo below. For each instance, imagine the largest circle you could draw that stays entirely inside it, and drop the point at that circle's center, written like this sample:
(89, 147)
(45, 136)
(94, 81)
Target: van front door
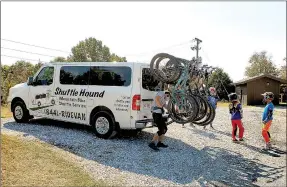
(40, 92)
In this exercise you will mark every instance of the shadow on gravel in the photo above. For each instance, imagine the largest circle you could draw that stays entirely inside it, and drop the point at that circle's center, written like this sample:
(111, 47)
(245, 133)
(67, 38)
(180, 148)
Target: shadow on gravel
(180, 163)
(205, 133)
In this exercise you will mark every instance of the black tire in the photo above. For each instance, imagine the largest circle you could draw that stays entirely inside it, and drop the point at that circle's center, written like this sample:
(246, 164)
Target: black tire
(154, 67)
(20, 112)
(105, 116)
(208, 118)
(203, 106)
(171, 73)
(178, 119)
(212, 116)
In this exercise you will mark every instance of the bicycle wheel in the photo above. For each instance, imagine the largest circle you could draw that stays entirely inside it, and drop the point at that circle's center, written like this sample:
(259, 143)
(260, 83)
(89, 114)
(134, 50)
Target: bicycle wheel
(212, 117)
(202, 109)
(168, 72)
(209, 116)
(187, 108)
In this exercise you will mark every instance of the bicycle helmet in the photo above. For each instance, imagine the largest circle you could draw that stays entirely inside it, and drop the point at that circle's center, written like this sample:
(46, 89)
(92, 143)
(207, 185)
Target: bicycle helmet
(212, 91)
(268, 95)
(233, 97)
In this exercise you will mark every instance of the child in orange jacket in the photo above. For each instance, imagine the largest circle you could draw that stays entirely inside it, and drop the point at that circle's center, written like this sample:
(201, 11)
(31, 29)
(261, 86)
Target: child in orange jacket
(267, 117)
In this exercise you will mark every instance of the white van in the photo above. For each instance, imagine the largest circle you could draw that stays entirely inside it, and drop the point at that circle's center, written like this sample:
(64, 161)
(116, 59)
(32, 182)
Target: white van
(109, 96)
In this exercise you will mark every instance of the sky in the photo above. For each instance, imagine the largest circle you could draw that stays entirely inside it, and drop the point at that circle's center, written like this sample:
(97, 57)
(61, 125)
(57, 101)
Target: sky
(230, 31)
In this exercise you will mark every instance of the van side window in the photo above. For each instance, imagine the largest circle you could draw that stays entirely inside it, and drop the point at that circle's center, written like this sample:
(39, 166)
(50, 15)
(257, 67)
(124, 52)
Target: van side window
(74, 75)
(149, 82)
(45, 77)
(110, 75)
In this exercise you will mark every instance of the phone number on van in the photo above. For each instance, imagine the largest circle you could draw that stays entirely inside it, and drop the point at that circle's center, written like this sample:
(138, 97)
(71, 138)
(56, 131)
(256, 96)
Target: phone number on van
(65, 114)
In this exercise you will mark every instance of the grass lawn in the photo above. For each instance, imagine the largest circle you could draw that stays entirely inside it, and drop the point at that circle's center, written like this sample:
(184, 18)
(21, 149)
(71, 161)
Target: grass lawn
(5, 112)
(226, 104)
(27, 163)
(222, 104)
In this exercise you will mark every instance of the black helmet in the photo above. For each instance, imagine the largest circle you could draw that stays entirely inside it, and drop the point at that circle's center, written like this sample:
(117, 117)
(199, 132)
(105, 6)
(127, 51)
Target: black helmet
(268, 95)
(232, 96)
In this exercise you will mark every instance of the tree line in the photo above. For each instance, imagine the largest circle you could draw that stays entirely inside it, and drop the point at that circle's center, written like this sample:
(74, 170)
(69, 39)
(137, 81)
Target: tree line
(93, 50)
(88, 50)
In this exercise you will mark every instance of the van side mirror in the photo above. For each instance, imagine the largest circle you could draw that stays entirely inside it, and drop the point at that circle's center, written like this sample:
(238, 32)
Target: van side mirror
(30, 81)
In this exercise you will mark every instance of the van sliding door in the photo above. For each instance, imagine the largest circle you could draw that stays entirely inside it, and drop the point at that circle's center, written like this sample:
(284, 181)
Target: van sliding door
(110, 86)
(71, 92)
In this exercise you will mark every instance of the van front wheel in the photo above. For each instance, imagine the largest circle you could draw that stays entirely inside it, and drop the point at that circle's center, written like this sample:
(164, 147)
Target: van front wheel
(104, 125)
(20, 112)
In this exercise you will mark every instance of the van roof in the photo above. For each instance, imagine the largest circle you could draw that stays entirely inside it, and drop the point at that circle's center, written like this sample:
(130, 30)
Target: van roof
(98, 63)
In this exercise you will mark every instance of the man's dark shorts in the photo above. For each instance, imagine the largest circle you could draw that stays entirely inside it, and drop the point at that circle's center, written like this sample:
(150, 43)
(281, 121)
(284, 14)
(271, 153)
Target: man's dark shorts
(161, 123)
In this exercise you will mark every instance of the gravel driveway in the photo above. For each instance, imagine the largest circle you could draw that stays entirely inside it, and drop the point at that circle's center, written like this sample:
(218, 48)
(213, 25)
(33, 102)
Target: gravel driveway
(195, 157)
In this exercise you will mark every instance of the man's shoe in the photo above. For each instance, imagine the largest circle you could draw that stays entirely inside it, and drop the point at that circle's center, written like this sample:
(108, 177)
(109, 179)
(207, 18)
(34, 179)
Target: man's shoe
(241, 139)
(153, 146)
(162, 145)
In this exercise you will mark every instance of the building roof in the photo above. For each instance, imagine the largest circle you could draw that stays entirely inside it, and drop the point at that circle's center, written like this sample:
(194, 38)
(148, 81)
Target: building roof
(244, 81)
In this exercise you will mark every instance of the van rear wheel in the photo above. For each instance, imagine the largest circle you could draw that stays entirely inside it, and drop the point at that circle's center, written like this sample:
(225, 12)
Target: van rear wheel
(20, 112)
(104, 125)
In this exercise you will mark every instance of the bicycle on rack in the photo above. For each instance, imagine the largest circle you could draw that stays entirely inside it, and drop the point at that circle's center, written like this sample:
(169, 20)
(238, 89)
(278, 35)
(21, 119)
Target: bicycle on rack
(182, 107)
(206, 111)
(185, 104)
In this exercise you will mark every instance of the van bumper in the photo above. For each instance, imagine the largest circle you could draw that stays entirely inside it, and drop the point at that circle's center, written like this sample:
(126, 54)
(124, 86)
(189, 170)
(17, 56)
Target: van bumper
(140, 124)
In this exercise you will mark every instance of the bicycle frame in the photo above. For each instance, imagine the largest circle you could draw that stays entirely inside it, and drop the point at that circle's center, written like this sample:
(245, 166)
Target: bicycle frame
(179, 90)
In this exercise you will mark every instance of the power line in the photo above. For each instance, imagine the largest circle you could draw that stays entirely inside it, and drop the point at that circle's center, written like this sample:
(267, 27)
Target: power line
(27, 52)
(172, 46)
(22, 58)
(34, 45)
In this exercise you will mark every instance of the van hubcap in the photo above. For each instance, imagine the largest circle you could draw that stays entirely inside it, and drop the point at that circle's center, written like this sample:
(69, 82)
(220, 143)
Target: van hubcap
(18, 112)
(102, 125)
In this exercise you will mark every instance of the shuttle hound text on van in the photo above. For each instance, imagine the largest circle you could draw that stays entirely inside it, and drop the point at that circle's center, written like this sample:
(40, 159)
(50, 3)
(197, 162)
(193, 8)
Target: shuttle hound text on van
(74, 92)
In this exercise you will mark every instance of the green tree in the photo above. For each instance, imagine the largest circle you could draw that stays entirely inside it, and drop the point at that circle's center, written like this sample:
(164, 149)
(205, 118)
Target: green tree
(59, 59)
(116, 58)
(15, 74)
(260, 63)
(221, 81)
(37, 67)
(92, 50)
(283, 70)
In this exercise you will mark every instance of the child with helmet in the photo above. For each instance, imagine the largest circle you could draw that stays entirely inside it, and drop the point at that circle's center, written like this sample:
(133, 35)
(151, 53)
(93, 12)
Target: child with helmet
(267, 117)
(212, 99)
(235, 109)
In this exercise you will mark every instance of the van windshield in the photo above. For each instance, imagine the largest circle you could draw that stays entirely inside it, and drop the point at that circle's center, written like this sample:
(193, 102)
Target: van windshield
(149, 82)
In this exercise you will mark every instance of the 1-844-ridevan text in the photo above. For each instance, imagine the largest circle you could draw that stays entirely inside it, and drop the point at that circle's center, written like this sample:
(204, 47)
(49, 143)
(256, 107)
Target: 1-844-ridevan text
(66, 114)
